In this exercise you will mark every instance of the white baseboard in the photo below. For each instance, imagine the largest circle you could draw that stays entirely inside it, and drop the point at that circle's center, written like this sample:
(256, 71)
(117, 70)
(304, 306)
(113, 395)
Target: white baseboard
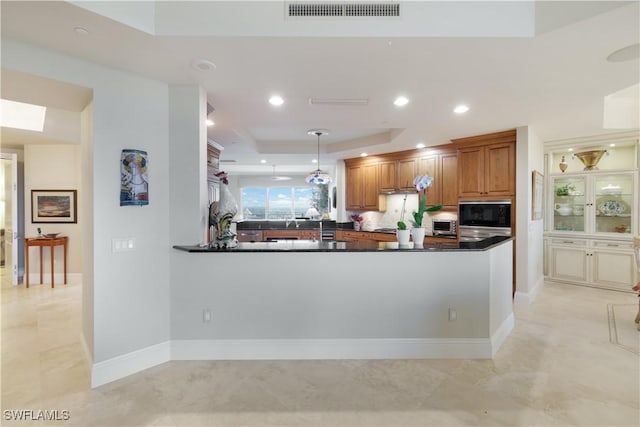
(130, 363)
(58, 278)
(524, 298)
(299, 349)
(502, 333)
(85, 348)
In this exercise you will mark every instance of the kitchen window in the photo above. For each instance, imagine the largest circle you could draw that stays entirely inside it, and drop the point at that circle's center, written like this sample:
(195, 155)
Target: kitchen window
(261, 203)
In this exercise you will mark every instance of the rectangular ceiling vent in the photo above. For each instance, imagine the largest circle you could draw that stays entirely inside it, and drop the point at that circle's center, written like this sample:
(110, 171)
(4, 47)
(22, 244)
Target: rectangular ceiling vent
(343, 9)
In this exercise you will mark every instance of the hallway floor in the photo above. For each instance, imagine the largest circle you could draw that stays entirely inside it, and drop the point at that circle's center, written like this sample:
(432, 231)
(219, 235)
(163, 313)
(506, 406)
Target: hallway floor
(557, 368)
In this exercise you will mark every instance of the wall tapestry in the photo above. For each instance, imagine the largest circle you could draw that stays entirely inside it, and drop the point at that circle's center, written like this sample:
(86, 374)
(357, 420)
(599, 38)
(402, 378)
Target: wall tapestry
(134, 179)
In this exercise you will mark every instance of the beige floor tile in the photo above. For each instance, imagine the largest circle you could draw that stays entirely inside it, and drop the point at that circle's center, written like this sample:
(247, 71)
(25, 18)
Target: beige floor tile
(557, 368)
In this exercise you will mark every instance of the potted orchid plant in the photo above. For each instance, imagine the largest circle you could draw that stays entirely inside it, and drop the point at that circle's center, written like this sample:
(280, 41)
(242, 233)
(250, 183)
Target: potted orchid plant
(421, 183)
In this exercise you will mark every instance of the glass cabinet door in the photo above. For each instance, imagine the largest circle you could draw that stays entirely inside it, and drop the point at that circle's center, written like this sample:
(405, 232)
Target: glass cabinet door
(613, 204)
(569, 201)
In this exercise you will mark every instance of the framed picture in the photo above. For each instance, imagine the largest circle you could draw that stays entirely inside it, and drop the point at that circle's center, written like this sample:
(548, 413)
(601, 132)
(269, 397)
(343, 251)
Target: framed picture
(54, 206)
(537, 194)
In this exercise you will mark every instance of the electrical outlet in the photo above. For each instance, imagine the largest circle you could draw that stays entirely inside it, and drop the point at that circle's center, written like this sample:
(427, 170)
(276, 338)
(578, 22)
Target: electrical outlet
(206, 315)
(453, 315)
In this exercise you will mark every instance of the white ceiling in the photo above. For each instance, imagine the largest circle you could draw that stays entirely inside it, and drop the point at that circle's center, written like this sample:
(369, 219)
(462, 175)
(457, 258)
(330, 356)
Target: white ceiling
(514, 63)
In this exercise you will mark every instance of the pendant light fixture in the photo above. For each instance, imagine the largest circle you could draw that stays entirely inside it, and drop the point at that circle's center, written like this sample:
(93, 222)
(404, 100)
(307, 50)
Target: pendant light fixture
(318, 176)
(275, 177)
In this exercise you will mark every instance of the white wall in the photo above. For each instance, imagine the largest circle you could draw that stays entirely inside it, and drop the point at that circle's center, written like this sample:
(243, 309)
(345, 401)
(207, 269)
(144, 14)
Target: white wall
(529, 233)
(131, 289)
(54, 167)
(86, 213)
(188, 148)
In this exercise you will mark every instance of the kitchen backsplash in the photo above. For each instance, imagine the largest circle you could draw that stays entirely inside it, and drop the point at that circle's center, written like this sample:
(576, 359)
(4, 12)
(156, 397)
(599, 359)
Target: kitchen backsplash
(388, 219)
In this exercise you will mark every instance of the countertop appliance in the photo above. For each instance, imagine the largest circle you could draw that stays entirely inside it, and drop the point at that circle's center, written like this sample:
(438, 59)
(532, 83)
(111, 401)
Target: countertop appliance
(445, 227)
(480, 219)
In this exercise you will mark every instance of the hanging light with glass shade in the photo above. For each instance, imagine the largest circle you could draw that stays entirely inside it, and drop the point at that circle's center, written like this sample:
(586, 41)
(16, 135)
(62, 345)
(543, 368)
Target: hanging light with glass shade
(318, 176)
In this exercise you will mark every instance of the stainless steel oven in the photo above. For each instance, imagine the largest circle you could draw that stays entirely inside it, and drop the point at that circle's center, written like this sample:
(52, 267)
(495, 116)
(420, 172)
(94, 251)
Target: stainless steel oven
(479, 219)
(445, 228)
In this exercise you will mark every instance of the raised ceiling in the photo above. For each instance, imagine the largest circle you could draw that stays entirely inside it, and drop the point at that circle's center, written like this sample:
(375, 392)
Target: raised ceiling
(517, 63)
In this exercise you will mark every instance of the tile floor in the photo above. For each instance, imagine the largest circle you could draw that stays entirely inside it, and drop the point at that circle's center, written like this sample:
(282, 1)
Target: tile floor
(557, 368)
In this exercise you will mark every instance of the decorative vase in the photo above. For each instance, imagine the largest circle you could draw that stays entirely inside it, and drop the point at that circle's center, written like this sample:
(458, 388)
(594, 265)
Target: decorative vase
(403, 237)
(221, 214)
(417, 234)
(590, 158)
(356, 225)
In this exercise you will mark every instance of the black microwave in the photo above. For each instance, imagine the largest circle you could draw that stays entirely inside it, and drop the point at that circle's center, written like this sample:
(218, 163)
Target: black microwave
(484, 213)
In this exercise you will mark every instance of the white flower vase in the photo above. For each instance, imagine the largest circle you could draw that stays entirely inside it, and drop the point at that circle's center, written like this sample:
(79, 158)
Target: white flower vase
(403, 237)
(356, 225)
(417, 234)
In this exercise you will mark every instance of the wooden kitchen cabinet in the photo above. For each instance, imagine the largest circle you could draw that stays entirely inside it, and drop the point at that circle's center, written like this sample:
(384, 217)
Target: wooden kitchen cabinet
(362, 187)
(407, 171)
(290, 234)
(362, 236)
(444, 170)
(486, 170)
(397, 175)
(449, 179)
(387, 176)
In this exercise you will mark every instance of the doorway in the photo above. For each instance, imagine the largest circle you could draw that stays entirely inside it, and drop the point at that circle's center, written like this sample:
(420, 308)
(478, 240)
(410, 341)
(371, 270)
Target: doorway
(11, 213)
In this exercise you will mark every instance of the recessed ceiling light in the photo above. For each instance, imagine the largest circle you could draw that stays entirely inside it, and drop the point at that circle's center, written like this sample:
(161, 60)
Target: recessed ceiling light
(612, 145)
(461, 109)
(19, 115)
(276, 100)
(263, 161)
(202, 65)
(570, 149)
(81, 31)
(363, 154)
(314, 161)
(420, 145)
(628, 53)
(210, 122)
(401, 101)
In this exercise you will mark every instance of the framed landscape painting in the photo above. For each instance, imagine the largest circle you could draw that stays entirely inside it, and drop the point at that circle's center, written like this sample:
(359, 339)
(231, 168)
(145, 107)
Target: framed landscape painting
(53, 206)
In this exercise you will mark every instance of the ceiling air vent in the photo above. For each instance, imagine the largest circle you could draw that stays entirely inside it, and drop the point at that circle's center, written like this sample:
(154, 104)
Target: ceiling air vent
(343, 9)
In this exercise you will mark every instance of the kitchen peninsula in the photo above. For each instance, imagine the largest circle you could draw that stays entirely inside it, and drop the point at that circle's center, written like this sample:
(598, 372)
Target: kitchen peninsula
(348, 300)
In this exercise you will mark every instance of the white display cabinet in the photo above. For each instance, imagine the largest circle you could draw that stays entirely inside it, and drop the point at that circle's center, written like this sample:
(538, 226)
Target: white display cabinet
(598, 203)
(591, 216)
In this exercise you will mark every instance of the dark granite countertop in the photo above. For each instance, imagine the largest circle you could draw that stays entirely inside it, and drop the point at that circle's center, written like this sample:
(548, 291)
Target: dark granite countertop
(317, 246)
(299, 224)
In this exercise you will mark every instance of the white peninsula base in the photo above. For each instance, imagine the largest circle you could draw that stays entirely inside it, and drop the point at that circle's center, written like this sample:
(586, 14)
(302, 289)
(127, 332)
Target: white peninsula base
(332, 305)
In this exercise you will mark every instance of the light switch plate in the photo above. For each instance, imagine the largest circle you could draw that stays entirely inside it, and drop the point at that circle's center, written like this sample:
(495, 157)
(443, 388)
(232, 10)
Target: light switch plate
(123, 244)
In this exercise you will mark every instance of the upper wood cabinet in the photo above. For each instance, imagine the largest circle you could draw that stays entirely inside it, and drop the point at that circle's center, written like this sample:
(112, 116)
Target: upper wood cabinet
(397, 175)
(362, 187)
(449, 179)
(487, 165)
(387, 176)
(444, 170)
